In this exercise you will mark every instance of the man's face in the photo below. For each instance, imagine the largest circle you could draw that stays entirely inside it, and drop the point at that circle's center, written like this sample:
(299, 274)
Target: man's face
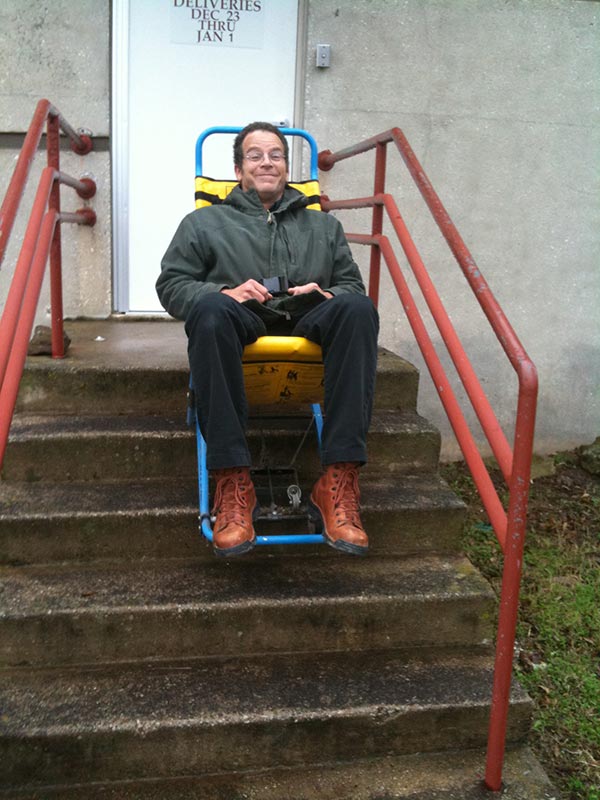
(268, 177)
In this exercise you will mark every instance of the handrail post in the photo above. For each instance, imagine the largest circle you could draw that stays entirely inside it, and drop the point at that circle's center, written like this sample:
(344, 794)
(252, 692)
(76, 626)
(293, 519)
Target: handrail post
(377, 222)
(56, 304)
(511, 574)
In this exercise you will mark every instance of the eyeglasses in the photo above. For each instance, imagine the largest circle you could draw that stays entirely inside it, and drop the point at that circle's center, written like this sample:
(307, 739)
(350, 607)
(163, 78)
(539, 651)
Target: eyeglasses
(255, 156)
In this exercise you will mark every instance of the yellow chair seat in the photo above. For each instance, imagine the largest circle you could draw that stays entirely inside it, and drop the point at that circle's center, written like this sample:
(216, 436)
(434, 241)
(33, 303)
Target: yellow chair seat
(283, 369)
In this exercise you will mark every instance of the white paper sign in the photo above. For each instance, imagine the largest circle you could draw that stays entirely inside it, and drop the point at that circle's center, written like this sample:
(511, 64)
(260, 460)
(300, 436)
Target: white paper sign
(218, 23)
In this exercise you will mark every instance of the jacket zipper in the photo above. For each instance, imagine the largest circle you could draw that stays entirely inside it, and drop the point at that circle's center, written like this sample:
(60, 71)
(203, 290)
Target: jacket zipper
(272, 221)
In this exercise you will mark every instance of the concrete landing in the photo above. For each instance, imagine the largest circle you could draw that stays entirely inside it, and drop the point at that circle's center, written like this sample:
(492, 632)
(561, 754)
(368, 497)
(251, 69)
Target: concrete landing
(123, 366)
(124, 343)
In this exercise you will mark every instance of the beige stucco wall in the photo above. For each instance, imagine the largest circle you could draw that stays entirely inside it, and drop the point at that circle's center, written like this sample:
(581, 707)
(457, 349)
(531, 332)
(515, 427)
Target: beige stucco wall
(60, 50)
(500, 100)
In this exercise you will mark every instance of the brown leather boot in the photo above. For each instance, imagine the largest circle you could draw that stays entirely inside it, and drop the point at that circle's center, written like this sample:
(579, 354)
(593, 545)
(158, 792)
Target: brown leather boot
(337, 497)
(235, 500)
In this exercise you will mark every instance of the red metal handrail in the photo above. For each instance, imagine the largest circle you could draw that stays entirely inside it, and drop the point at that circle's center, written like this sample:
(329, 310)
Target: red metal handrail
(42, 239)
(514, 463)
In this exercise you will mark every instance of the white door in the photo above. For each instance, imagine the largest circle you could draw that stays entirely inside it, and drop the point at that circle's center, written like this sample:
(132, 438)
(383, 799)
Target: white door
(181, 66)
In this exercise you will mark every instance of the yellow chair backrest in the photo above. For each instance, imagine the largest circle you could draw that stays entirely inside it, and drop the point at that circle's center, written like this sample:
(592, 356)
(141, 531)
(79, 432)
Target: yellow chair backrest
(210, 191)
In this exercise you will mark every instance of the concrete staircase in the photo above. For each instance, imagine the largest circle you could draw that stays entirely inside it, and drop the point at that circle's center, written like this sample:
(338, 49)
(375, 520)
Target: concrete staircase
(136, 665)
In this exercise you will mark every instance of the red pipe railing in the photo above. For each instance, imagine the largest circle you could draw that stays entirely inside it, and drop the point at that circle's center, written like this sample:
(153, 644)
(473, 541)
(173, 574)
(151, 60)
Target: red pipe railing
(514, 463)
(42, 239)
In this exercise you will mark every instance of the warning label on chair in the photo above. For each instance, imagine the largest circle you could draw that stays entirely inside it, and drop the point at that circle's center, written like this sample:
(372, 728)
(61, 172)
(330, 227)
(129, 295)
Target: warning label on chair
(283, 382)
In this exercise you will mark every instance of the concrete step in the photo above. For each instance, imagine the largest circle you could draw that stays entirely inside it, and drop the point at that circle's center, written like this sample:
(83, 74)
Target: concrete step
(44, 522)
(125, 447)
(450, 775)
(230, 715)
(116, 612)
(140, 367)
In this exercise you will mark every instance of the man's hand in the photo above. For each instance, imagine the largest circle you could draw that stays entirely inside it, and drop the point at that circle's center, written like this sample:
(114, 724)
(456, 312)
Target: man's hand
(309, 287)
(250, 290)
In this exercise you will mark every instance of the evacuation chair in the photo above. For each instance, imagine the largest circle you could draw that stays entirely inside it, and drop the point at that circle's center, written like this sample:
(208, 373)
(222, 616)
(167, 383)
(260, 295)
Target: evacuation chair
(279, 372)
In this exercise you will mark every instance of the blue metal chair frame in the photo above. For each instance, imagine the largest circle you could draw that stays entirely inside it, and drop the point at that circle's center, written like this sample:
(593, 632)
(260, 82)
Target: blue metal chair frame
(192, 419)
(314, 153)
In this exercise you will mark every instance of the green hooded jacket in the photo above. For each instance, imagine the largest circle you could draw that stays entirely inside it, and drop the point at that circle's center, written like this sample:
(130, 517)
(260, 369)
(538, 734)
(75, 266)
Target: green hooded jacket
(221, 246)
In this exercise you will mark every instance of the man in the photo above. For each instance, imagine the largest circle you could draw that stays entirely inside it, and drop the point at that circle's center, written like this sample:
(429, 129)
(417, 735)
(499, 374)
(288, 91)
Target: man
(212, 277)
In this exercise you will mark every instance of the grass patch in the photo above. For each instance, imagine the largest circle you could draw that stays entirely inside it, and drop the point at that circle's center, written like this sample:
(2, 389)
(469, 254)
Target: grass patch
(558, 634)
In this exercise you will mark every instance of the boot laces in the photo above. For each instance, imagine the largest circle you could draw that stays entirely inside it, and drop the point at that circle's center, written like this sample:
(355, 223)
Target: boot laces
(231, 501)
(346, 497)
